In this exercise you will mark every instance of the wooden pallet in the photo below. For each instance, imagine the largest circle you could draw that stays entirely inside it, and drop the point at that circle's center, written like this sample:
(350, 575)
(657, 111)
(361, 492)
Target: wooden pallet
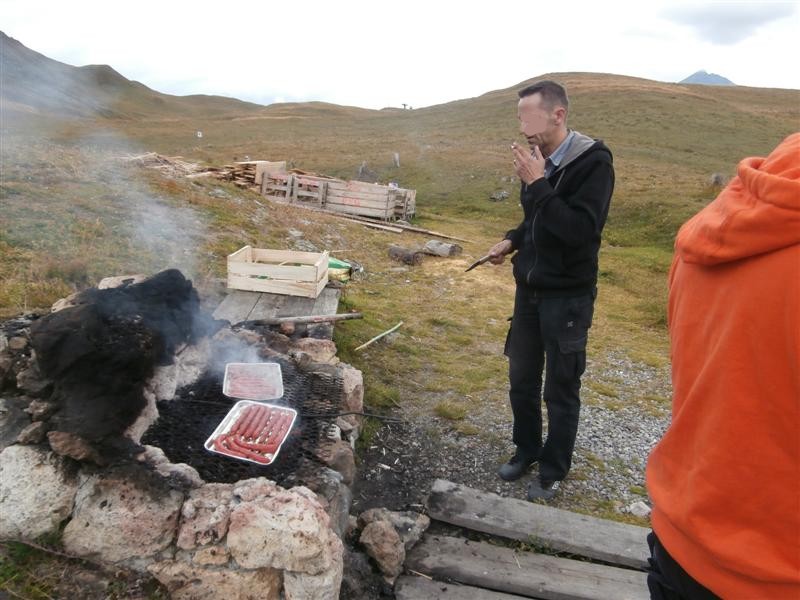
(484, 569)
(347, 197)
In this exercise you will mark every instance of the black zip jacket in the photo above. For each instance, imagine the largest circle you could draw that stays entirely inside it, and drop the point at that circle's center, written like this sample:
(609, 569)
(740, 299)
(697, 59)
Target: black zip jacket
(559, 238)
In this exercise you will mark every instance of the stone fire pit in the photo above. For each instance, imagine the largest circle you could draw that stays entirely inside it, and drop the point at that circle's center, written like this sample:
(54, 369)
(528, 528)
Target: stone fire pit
(73, 458)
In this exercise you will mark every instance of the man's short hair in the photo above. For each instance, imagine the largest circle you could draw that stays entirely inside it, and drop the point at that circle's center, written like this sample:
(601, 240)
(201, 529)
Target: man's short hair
(553, 94)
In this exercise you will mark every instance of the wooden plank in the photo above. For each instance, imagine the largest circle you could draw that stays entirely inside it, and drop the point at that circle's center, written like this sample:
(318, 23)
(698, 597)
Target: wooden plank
(243, 254)
(279, 305)
(327, 303)
(358, 186)
(266, 167)
(236, 306)
(288, 256)
(560, 530)
(419, 588)
(527, 574)
(367, 193)
(275, 286)
(383, 213)
(270, 306)
(376, 226)
(366, 199)
(306, 273)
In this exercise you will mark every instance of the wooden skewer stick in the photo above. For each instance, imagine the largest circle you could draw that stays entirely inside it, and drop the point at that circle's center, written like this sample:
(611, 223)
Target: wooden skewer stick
(302, 319)
(377, 337)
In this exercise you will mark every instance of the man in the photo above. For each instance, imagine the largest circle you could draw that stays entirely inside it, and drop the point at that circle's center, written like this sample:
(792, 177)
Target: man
(567, 182)
(725, 478)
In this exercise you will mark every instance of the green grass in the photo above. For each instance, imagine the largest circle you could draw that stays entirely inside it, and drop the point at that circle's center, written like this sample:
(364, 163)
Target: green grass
(452, 411)
(603, 389)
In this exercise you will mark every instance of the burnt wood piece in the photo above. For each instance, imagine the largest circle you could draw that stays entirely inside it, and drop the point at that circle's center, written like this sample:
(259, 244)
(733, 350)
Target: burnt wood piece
(559, 530)
(527, 574)
(420, 588)
(405, 255)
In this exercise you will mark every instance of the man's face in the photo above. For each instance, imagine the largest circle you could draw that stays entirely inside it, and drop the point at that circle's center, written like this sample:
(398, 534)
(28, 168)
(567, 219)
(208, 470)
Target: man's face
(535, 122)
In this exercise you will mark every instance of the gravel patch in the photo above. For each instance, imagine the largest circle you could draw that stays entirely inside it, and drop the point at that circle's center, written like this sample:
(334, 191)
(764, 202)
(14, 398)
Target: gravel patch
(607, 476)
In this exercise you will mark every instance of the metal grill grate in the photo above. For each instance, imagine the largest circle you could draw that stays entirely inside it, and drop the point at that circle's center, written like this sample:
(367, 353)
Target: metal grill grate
(185, 423)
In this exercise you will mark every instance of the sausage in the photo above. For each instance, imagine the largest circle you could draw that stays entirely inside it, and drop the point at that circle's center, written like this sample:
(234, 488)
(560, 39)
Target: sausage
(278, 416)
(258, 422)
(250, 450)
(219, 444)
(243, 420)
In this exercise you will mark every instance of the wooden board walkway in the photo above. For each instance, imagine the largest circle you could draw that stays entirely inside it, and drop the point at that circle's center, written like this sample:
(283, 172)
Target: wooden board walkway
(451, 567)
(526, 574)
(556, 529)
(420, 588)
(247, 306)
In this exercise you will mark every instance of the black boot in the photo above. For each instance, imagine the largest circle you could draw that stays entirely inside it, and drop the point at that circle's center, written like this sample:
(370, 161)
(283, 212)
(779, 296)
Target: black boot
(516, 466)
(542, 489)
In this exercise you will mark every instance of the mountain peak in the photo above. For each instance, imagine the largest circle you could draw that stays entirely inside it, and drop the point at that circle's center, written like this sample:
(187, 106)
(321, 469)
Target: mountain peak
(705, 78)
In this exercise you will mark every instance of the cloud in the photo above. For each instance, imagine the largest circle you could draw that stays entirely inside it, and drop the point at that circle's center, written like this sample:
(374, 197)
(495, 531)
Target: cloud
(727, 23)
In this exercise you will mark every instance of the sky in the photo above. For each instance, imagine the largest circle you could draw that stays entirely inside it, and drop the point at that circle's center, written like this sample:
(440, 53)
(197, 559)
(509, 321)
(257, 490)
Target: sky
(415, 52)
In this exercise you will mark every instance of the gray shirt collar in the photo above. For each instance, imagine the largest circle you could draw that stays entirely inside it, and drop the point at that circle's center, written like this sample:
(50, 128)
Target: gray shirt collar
(552, 162)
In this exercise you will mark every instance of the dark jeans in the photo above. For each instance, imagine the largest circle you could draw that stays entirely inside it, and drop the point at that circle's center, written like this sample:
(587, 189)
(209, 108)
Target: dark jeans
(667, 580)
(547, 335)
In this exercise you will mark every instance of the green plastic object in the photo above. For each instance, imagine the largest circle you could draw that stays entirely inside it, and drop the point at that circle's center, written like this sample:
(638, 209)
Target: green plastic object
(335, 263)
(338, 270)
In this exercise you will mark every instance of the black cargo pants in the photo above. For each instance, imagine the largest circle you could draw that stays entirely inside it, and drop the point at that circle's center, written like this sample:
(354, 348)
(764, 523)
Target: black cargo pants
(547, 335)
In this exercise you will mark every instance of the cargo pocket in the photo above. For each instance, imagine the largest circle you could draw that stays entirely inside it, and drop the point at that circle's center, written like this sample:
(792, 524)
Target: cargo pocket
(571, 358)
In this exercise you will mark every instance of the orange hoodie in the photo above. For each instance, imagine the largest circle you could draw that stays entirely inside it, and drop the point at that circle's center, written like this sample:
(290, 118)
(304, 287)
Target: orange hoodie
(725, 479)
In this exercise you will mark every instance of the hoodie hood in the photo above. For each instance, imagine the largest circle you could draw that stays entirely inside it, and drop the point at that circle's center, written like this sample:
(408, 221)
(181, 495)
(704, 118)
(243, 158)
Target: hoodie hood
(758, 211)
(580, 143)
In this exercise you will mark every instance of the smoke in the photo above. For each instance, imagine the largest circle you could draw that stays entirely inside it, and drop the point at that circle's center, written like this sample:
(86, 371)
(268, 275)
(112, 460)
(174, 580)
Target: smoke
(65, 191)
(71, 196)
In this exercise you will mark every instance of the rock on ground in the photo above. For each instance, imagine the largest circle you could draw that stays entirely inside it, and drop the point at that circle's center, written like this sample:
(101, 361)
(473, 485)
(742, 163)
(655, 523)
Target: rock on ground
(205, 516)
(384, 545)
(190, 582)
(37, 491)
(322, 586)
(122, 515)
(409, 525)
(283, 529)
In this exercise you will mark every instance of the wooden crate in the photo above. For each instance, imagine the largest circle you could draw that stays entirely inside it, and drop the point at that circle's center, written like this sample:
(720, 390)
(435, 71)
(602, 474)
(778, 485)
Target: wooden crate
(278, 271)
(364, 199)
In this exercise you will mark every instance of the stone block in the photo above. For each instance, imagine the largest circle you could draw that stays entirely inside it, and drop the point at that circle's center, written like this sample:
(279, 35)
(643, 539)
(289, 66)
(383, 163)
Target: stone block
(125, 513)
(193, 582)
(37, 492)
(284, 529)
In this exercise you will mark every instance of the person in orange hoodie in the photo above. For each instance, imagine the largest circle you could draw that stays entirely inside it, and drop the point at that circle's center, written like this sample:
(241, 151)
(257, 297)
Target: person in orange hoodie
(725, 478)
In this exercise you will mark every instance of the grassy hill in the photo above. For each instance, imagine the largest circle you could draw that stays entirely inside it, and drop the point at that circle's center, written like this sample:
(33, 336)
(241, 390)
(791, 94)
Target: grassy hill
(31, 83)
(73, 212)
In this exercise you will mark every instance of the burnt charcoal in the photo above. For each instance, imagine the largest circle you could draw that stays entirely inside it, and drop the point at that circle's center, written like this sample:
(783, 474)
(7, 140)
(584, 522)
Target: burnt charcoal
(187, 421)
(100, 352)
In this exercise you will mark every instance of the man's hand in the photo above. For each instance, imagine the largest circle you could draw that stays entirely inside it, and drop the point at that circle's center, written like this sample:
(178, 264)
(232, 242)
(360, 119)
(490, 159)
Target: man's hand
(528, 167)
(498, 252)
